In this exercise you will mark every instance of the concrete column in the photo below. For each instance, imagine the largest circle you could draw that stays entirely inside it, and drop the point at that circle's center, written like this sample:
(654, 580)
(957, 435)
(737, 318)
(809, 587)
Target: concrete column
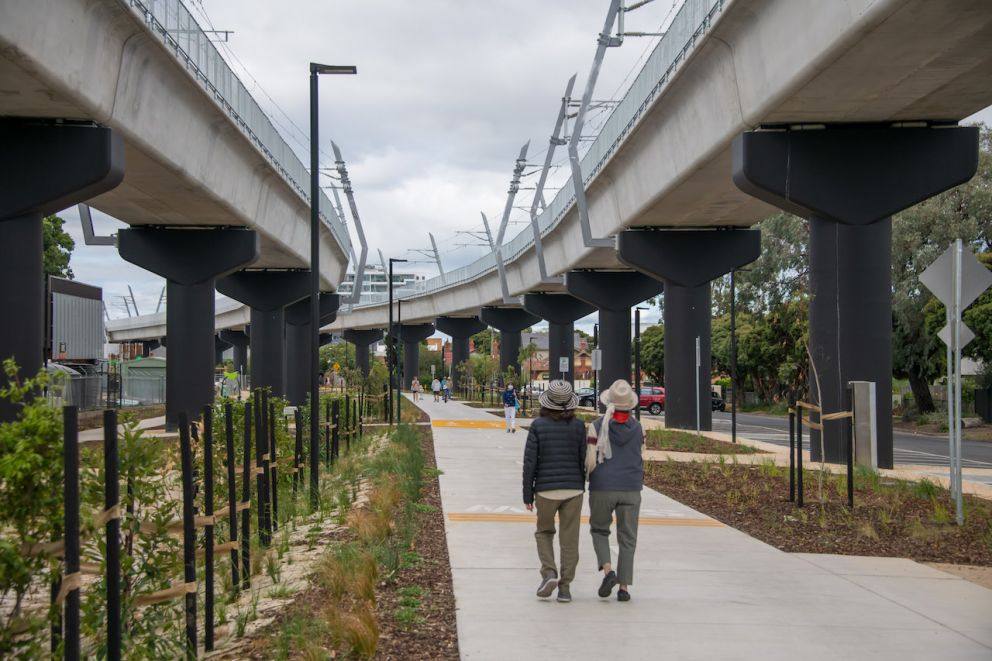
(238, 340)
(613, 293)
(267, 293)
(509, 322)
(461, 329)
(687, 260)
(849, 181)
(147, 346)
(220, 346)
(189, 261)
(297, 316)
(362, 339)
(687, 316)
(412, 335)
(560, 311)
(44, 168)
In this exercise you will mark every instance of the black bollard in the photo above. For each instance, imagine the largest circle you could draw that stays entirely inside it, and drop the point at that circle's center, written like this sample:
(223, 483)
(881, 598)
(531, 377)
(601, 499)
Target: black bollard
(111, 504)
(232, 496)
(246, 501)
(70, 577)
(189, 532)
(273, 477)
(208, 511)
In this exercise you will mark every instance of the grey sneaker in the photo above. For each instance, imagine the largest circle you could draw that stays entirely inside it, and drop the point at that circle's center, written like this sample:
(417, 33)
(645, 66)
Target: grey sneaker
(547, 586)
(564, 594)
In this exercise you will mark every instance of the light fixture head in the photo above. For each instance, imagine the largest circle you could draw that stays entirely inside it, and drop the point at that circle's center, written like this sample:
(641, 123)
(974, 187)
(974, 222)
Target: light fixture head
(332, 68)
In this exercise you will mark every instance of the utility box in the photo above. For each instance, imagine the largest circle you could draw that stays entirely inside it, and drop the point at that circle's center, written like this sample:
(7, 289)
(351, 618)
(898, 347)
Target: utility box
(865, 423)
(75, 322)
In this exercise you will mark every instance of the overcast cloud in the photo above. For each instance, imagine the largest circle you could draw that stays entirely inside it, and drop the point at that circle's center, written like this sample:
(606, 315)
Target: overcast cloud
(447, 92)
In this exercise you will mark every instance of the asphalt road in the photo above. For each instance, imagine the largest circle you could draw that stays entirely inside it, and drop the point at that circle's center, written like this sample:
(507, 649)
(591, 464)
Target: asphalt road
(909, 448)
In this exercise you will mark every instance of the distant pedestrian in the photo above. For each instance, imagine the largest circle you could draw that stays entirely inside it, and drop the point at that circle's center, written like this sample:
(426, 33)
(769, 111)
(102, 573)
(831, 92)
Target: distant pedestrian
(510, 405)
(554, 479)
(615, 467)
(444, 390)
(436, 388)
(415, 387)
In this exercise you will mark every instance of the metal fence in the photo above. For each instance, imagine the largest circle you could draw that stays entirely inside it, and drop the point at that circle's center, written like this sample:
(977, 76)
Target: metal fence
(104, 389)
(180, 32)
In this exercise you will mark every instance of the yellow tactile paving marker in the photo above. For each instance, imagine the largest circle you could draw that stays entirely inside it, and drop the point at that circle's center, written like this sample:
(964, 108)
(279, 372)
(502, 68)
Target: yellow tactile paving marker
(470, 424)
(510, 517)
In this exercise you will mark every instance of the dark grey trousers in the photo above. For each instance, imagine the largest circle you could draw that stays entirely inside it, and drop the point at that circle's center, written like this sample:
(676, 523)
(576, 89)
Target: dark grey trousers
(627, 506)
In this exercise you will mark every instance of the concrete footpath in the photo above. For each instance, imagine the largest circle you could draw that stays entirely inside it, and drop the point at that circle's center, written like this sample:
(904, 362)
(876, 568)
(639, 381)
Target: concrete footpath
(702, 590)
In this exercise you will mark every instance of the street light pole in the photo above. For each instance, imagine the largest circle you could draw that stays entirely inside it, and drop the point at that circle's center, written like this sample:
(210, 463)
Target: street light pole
(391, 355)
(530, 370)
(315, 71)
(595, 372)
(399, 360)
(733, 358)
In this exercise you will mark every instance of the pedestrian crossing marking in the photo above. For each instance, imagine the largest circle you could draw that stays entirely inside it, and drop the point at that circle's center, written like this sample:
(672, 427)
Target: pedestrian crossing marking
(469, 424)
(530, 518)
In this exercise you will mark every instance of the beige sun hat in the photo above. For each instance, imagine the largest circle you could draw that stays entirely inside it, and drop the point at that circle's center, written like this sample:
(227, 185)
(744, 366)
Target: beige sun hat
(620, 395)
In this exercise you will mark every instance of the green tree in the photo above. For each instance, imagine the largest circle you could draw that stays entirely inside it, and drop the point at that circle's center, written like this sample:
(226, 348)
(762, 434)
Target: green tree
(919, 235)
(653, 352)
(428, 358)
(483, 342)
(342, 353)
(57, 247)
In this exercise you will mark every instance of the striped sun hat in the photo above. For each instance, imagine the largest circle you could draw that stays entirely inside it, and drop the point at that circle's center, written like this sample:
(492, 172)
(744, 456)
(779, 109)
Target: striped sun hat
(559, 396)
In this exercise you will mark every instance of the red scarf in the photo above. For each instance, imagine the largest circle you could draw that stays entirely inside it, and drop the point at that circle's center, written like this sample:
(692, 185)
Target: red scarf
(621, 416)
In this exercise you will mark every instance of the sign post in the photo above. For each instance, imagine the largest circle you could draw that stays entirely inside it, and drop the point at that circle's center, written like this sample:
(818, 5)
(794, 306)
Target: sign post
(563, 366)
(698, 430)
(956, 278)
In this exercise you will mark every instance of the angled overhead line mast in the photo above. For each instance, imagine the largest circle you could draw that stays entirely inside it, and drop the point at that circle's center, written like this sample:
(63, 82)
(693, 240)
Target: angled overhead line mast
(614, 16)
(518, 168)
(356, 291)
(555, 142)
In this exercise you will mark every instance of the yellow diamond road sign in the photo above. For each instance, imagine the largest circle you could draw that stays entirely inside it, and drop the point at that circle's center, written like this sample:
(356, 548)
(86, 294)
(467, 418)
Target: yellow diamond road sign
(336, 367)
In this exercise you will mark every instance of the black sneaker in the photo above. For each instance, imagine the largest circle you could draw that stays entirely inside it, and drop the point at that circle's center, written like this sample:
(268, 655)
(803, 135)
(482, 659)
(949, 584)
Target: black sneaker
(623, 595)
(564, 594)
(547, 586)
(609, 582)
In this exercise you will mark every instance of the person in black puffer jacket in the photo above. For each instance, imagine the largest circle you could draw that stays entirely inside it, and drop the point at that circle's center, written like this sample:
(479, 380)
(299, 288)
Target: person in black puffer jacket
(554, 479)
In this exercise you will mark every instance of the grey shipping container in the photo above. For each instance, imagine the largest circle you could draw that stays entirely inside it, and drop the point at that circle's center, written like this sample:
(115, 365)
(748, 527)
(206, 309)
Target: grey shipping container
(76, 326)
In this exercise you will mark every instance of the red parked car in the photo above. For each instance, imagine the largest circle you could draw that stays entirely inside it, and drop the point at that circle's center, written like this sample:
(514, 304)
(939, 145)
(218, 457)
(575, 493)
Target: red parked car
(653, 399)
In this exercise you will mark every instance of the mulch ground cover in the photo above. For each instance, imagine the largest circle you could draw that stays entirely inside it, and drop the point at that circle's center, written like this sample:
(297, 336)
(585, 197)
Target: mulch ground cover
(891, 518)
(435, 635)
(675, 440)
(429, 630)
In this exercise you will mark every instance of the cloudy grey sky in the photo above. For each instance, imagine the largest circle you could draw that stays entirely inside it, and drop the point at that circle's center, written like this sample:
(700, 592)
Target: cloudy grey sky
(447, 92)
